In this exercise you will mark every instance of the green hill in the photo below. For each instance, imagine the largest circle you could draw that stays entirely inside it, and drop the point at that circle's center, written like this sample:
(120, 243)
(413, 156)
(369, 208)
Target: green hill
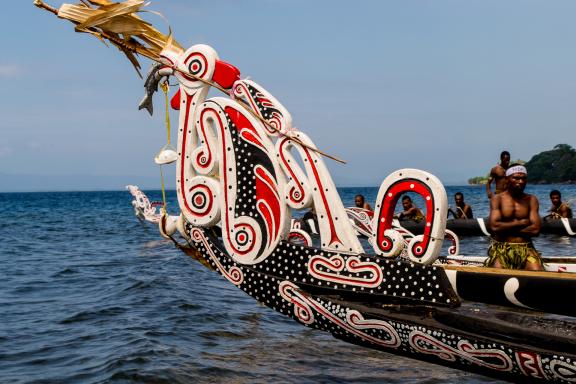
(557, 165)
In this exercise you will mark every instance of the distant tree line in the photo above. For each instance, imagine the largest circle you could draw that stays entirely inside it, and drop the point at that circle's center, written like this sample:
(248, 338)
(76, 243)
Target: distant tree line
(478, 180)
(556, 166)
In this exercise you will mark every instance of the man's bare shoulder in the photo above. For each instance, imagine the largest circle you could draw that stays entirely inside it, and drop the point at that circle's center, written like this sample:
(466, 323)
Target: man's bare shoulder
(497, 199)
(498, 170)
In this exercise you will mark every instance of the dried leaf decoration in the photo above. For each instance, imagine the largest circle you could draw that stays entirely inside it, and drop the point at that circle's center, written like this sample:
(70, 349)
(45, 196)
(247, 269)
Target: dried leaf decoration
(118, 24)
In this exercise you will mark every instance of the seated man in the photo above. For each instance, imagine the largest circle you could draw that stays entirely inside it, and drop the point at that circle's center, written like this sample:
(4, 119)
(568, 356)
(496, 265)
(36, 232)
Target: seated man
(513, 221)
(411, 212)
(559, 209)
(360, 202)
(463, 210)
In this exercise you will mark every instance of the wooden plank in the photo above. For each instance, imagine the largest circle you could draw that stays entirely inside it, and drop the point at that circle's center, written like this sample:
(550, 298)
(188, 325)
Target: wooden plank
(510, 272)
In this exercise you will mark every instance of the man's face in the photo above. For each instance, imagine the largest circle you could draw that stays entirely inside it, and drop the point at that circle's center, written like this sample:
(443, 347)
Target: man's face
(406, 204)
(505, 161)
(359, 202)
(555, 199)
(459, 200)
(517, 181)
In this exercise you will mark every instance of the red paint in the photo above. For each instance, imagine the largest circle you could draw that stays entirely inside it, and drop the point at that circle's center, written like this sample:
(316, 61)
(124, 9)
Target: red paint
(265, 192)
(225, 74)
(175, 101)
(387, 212)
(333, 235)
(210, 201)
(250, 137)
(530, 364)
(207, 144)
(292, 174)
(182, 151)
(240, 120)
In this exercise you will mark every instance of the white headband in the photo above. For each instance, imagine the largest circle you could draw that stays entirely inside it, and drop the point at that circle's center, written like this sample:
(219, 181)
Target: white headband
(516, 169)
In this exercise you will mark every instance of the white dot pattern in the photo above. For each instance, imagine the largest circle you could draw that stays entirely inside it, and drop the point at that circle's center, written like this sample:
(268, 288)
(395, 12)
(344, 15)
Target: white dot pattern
(262, 281)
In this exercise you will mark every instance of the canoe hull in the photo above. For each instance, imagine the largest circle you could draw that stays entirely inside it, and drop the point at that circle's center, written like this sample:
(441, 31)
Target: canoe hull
(480, 338)
(478, 227)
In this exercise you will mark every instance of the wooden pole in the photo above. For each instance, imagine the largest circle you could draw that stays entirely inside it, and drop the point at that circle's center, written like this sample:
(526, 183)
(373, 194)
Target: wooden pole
(132, 48)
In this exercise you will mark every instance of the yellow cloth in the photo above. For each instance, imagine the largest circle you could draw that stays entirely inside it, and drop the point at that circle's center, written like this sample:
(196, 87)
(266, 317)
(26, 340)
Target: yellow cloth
(512, 255)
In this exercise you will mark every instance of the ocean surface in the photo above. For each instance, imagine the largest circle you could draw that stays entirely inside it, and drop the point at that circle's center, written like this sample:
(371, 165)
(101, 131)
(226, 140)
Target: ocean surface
(89, 294)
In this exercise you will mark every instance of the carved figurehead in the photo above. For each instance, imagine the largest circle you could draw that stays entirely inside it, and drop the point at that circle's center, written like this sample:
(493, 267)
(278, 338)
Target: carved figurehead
(236, 167)
(239, 161)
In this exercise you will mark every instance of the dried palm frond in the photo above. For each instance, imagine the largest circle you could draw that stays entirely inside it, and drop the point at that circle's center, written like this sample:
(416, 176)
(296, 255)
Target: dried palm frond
(118, 24)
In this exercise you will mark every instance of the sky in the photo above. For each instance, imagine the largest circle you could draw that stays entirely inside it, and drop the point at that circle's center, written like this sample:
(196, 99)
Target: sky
(441, 85)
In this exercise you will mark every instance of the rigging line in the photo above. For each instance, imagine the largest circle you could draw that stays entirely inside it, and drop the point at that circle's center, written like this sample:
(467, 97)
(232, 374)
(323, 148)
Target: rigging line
(254, 114)
(164, 87)
(163, 192)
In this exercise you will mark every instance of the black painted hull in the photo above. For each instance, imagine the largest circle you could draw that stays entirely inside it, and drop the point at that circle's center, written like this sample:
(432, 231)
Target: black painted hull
(538, 291)
(472, 227)
(411, 311)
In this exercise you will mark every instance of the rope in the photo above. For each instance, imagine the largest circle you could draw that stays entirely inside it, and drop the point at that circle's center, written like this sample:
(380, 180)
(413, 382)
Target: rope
(254, 114)
(164, 87)
(461, 210)
(163, 192)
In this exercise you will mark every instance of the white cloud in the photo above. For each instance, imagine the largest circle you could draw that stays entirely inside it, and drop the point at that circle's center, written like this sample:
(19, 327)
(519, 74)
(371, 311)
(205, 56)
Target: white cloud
(10, 70)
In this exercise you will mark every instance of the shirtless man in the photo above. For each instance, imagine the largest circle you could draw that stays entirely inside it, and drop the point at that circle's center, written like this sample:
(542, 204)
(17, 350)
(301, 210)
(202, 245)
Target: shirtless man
(361, 203)
(513, 221)
(463, 210)
(559, 209)
(411, 212)
(498, 175)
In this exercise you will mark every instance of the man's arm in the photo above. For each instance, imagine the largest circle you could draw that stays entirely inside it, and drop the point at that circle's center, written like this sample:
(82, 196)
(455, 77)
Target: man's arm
(468, 212)
(489, 183)
(564, 210)
(408, 213)
(535, 221)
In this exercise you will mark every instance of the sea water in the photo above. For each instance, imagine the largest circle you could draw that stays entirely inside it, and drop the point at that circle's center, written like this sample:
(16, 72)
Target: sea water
(89, 294)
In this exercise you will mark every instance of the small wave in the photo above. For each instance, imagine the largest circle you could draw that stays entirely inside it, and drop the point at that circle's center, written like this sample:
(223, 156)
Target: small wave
(144, 284)
(65, 272)
(211, 335)
(189, 306)
(94, 315)
(137, 377)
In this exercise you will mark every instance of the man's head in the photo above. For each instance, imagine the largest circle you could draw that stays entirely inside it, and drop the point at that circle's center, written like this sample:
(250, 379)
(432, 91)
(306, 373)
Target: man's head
(516, 178)
(556, 197)
(459, 199)
(406, 202)
(359, 201)
(505, 159)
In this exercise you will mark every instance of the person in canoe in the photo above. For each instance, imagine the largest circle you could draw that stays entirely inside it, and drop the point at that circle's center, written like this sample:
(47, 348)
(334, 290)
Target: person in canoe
(559, 209)
(411, 211)
(360, 202)
(463, 210)
(513, 222)
(498, 175)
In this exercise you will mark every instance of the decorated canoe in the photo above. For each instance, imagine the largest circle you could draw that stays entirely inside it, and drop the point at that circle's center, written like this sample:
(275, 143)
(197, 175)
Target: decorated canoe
(241, 166)
(541, 291)
(479, 226)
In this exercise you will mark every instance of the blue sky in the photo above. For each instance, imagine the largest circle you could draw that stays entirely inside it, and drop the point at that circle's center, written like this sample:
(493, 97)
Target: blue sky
(443, 86)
